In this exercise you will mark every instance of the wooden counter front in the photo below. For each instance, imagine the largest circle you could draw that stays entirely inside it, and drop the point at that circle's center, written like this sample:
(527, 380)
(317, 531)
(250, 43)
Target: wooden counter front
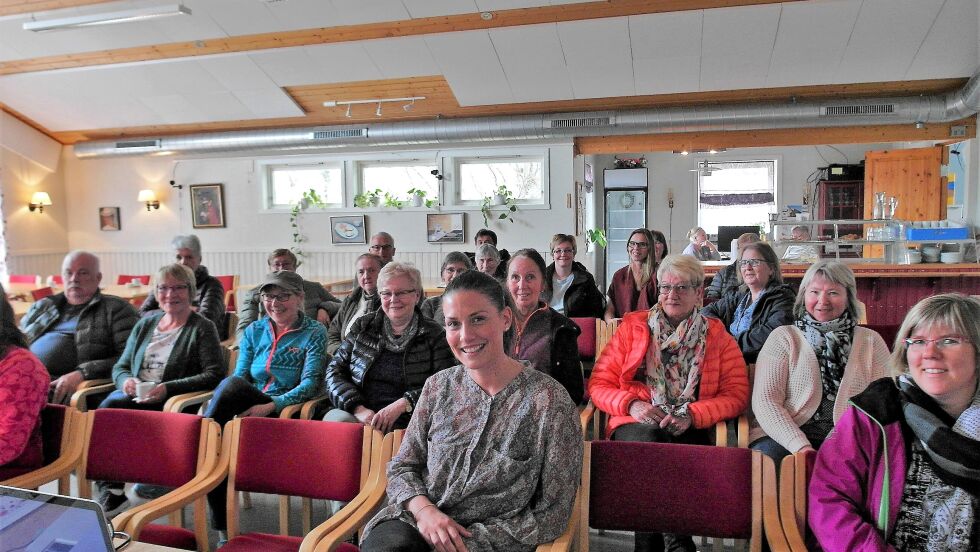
(874, 270)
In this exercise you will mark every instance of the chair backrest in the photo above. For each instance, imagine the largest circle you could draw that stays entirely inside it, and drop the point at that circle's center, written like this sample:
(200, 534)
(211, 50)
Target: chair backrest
(57, 280)
(888, 332)
(123, 279)
(41, 293)
(54, 418)
(648, 487)
(603, 333)
(142, 446)
(25, 279)
(229, 283)
(312, 459)
(586, 339)
(862, 313)
(794, 479)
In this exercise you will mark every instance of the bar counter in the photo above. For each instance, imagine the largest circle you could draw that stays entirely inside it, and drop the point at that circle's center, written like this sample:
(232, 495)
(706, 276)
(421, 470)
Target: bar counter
(888, 291)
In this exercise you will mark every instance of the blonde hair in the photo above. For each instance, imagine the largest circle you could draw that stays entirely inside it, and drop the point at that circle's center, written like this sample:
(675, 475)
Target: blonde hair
(180, 273)
(957, 311)
(649, 266)
(682, 266)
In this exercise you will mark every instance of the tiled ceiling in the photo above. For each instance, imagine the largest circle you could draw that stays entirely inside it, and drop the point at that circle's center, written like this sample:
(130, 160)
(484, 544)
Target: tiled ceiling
(813, 42)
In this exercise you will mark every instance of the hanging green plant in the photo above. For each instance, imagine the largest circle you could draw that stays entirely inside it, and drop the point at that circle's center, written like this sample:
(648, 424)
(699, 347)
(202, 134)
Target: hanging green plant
(596, 236)
(310, 199)
(502, 197)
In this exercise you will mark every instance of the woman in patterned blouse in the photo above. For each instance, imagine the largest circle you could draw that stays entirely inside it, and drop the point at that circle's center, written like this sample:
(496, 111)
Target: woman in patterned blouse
(492, 456)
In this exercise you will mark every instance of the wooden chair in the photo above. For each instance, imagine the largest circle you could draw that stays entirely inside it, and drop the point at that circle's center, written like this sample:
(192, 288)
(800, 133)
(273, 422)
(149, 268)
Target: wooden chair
(61, 429)
(41, 293)
(25, 279)
(230, 284)
(157, 448)
(185, 402)
(603, 333)
(124, 279)
(324, 460)
(794, 479)
(57, 280)
(333, 534)
(631, 486)
(862, 313)
(90, 393)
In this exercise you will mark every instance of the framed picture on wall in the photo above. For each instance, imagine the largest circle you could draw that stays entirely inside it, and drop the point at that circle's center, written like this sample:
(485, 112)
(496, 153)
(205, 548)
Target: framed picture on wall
(109, 219)
(348, 229)
(207, 206)
(444, 228)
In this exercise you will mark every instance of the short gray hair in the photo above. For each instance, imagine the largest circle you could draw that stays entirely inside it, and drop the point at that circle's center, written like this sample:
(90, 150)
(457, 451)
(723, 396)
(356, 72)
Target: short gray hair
(487, 250)
(836, 273)
(384, 235)
(181, 273)
(955, 310)
(189, 241)
(395, 269)
(75, 254)
(683, 266)
(456, 257)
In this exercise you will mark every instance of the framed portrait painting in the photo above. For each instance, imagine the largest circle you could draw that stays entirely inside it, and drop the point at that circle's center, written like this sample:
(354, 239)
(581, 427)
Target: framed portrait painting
(207, 206)
(348, 229)
(444, 227)
(109, 219)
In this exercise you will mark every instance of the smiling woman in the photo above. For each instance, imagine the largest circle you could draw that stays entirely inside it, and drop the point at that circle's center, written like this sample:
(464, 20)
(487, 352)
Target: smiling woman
(909, 444)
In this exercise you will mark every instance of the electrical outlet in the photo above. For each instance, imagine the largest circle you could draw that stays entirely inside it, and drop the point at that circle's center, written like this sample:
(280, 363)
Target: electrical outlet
(670, 198)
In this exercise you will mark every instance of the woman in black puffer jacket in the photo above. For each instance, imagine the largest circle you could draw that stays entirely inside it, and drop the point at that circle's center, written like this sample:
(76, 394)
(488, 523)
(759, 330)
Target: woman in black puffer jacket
(377, 374)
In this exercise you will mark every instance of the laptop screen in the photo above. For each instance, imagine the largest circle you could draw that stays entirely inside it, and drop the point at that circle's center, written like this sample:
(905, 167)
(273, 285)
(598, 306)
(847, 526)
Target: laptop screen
(37, 522)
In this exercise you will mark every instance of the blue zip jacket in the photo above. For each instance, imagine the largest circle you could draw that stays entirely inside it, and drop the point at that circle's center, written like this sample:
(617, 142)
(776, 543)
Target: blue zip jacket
(289, 369)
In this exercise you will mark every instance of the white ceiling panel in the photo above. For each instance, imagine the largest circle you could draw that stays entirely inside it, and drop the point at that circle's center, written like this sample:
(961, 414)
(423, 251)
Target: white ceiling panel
(398, 58)
(598, 56)
(810, 42)
(470, 65)
(237, 17)
(342, 62)
(666, 51)
(356, 12)
(886, 37)
(237, 72)
(533, 61)
(737, 46)
(304, 14)
(266, 104)
(944, 53)
(432, 8)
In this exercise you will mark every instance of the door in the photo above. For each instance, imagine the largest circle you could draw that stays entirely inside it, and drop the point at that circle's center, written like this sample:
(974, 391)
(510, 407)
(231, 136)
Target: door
(625, 211)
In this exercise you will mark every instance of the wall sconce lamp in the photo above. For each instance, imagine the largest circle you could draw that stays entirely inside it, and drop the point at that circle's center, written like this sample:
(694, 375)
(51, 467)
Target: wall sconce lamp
(38, 201)
(150, 198)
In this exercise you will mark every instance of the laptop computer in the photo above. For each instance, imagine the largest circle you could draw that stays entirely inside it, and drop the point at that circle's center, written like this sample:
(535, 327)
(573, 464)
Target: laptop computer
(38, 522)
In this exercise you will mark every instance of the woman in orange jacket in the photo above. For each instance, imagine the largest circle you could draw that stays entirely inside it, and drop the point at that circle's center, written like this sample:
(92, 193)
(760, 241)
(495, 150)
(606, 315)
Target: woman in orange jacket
(669, 374)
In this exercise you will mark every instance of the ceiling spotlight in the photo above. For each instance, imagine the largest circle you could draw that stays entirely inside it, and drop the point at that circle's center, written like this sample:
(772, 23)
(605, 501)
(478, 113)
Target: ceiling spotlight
(348, 111)
(378, 111)
(712, 151)
(684, 152)
(409, 106)
(920, 125)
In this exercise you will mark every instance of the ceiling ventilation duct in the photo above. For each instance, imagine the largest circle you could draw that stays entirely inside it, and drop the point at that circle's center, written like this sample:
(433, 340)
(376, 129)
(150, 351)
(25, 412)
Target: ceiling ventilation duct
(953, 106)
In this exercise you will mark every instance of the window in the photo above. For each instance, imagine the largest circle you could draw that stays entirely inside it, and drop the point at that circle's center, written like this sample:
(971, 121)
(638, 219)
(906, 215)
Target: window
(736, 193)
(523, 176)
(287, 183)
(396, 179)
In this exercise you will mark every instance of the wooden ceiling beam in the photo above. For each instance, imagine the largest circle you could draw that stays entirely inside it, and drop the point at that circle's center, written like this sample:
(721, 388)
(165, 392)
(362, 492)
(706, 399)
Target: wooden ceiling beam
(14, 7)
(595, 145)
(370, 31)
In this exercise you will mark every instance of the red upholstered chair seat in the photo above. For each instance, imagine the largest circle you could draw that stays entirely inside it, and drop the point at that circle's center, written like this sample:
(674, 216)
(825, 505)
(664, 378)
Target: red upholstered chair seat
(169, 535)
(586, 339)
(347, 547)
(684, 489)
(249, 542)
(123, 279)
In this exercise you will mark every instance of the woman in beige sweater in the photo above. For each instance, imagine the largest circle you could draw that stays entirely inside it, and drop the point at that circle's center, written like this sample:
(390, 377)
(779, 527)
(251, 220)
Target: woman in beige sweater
(806, 372)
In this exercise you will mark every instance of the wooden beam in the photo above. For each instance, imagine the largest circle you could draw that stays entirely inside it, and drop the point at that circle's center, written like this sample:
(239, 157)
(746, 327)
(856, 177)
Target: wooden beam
(370, 31)
(14, 7)
(643, 143)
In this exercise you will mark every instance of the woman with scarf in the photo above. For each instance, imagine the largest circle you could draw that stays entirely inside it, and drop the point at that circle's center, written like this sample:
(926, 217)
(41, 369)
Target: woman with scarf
(807, 371)
(634, 287)
(376, 375)
(901, 470)
(670, 374)
(761, 304)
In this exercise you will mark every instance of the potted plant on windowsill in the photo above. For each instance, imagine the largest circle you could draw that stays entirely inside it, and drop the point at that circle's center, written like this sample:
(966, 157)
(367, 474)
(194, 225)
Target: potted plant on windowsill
(368, 199)
(417, 198)
(501, 197)
(393, 201)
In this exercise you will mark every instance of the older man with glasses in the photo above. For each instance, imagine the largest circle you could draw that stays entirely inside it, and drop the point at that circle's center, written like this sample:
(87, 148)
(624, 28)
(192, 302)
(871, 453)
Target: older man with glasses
(383, 245)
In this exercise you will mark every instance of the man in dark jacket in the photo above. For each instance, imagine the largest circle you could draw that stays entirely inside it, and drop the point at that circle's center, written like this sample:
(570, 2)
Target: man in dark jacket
(210, 300)
(78, 334)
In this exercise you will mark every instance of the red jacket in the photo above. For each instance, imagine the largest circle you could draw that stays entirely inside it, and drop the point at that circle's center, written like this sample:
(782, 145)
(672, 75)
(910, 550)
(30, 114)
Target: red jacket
(722, 394)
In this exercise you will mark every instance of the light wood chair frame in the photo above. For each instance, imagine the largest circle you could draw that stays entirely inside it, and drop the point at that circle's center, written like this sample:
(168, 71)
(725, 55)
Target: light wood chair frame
(371, 447)
(79, 399)
(793, 482)
(72, 447)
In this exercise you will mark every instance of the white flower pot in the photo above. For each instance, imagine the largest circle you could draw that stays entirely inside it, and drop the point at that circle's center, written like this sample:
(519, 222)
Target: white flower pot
(498, 199)
(416, 200)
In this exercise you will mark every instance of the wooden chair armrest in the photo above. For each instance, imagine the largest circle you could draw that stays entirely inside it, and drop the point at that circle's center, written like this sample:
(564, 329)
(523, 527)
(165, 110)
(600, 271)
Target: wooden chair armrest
(304, 409)
(566, 540)
(772, 526)
(79, 400)
(787, 501)
(742, 434)
(585, 418)
(179, 403)
(67, 461)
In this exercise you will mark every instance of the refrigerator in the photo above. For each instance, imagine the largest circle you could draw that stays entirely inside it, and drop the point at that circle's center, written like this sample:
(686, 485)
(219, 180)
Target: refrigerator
(626, 210)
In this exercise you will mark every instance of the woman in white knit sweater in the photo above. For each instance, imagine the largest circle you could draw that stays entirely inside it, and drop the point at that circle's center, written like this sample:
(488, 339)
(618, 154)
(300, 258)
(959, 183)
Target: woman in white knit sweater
(806, 372)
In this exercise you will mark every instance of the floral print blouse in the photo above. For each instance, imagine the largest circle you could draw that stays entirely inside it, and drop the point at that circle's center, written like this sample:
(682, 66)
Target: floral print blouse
(505, 467)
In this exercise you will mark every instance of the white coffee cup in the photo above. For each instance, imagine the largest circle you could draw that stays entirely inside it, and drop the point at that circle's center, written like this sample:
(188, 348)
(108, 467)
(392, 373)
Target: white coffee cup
(143, 389)
(135, 282)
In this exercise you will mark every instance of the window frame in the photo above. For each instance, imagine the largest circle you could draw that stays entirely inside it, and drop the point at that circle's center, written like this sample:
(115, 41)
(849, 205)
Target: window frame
(777, 163)
(542, 156)
(358, 166)
(267, 167)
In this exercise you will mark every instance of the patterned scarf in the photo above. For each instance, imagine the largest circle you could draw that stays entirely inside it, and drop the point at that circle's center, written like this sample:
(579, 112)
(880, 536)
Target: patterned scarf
(831, 341)
(674, 385)
(954, 453)
(398, 344)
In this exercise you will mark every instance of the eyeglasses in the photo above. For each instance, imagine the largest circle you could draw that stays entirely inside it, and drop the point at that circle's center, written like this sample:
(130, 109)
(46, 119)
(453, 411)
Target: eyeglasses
(380, 247)
(637, 245)
(751, 262)
(566, 251)
(389, 295)
(171, 289)
(271, 298)
(916, 344)
(681, 289)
